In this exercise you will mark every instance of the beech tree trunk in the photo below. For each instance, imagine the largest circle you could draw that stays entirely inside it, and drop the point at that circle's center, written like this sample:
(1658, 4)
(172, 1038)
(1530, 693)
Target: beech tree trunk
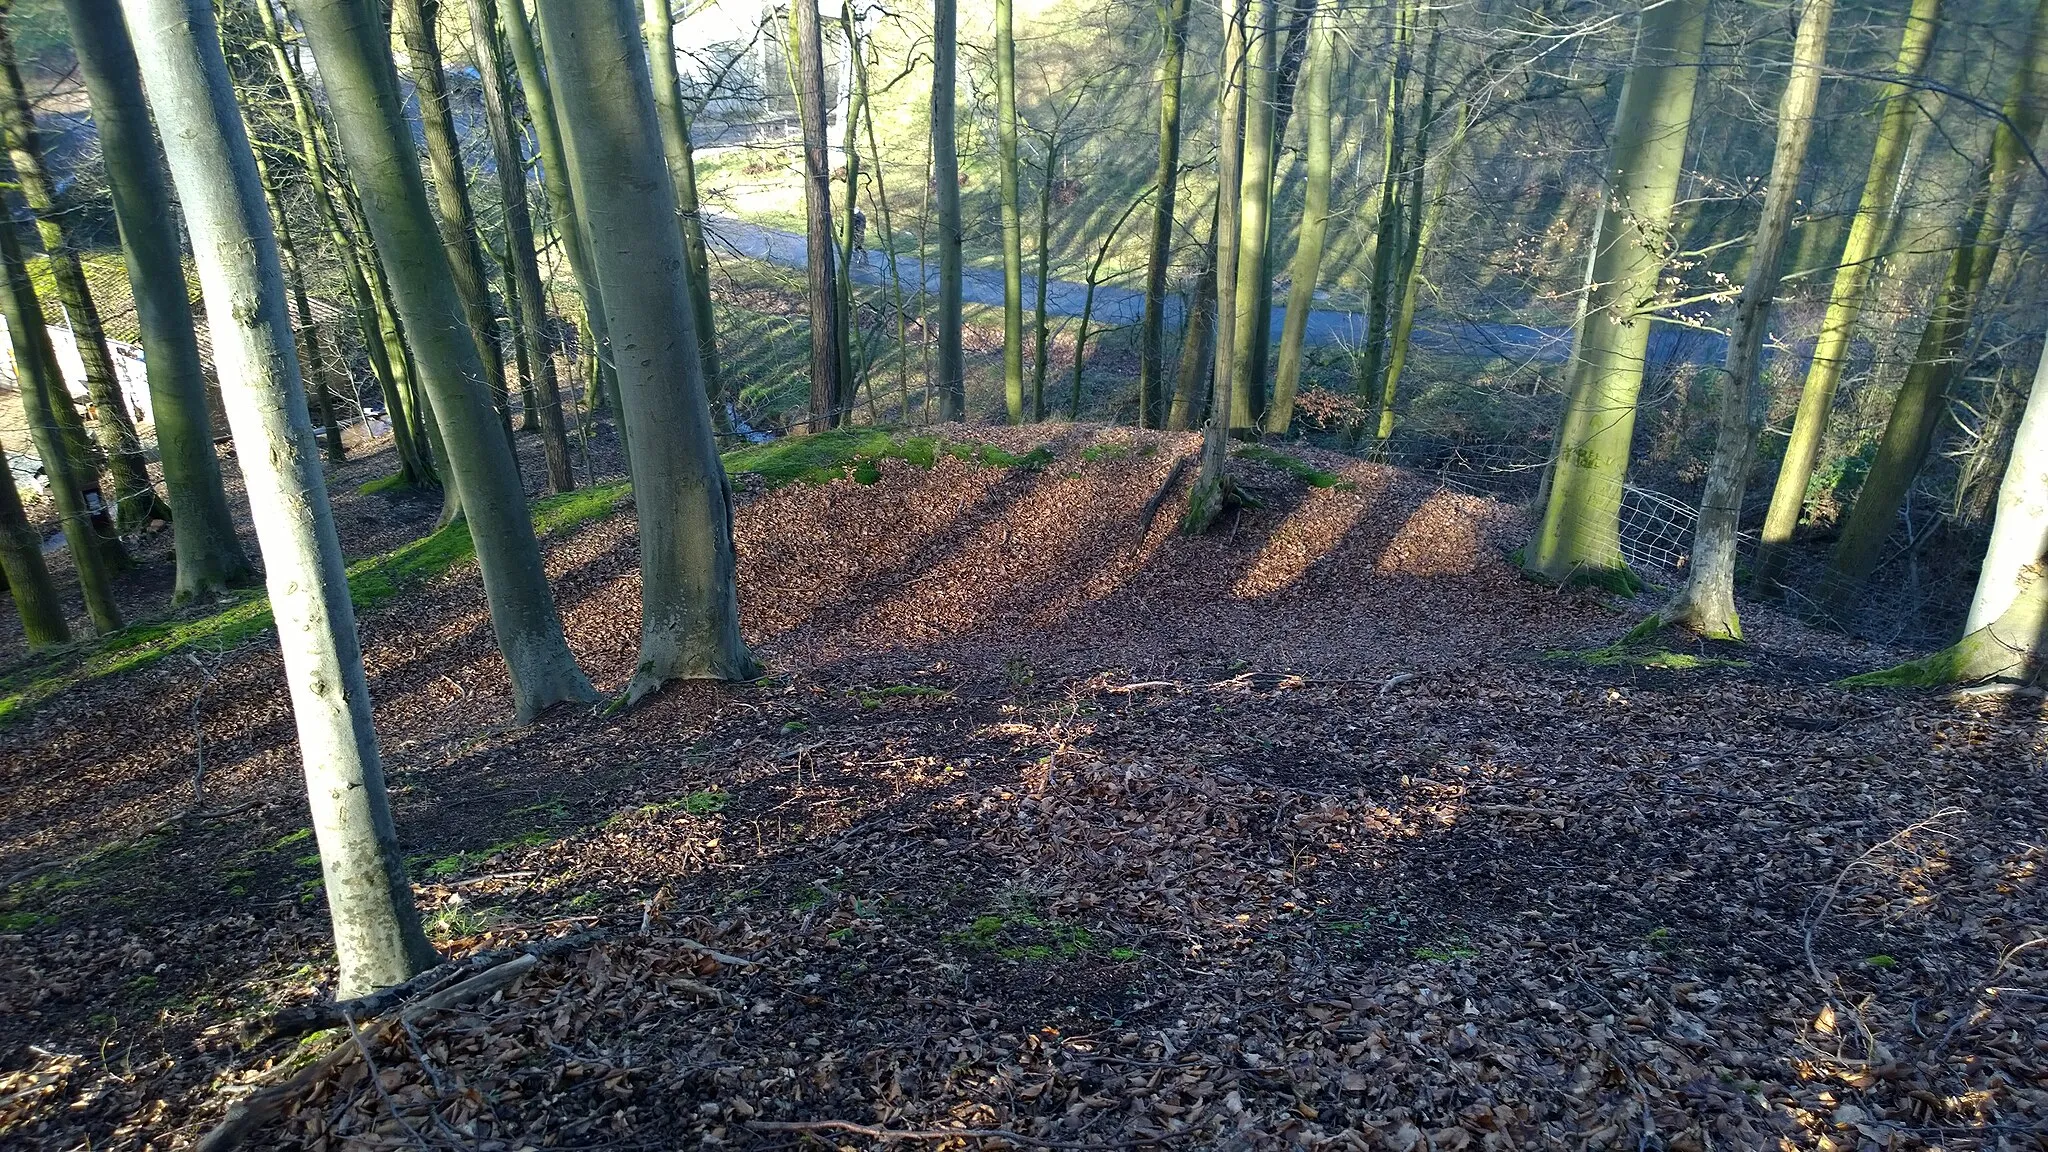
(1043, 255)
(682, 170)
(1012, 216)
(554, 172)
(828, 337)
(689, 602)
(1706, 604)
(522, 265)
(209, 558)
(1206, 498)
(113, 425)
(1152, 397)
(1580, 538)
(1250, 308)
(1191, 376)
(1923, 397)
(362, 89)
(2019, 526)
(376, 928)
(1867, 231)
(36, 599)
(416, 21)
(952, 361)
(1315, 222)
(1387, 219)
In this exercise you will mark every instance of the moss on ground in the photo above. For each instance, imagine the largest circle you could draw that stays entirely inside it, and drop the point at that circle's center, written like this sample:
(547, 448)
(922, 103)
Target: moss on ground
(371, 583)
(858, 453)
(1294, 466)
(1630, 652)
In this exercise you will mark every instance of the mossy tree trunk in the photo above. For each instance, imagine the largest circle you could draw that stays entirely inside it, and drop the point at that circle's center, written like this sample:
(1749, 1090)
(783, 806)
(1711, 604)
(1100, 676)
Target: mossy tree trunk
(1206, 498)
(1923, 397)
(689, 603)
(952, 360)
(1706, 605)
(1431, 218)
(417, 22)
(1867, 231)
(209, 558)
(1387, 216)
(1152, 393)
(1009, 211)
(1043, 254)
(1198, 331)
(36, 599)
(1315, 221)
(376, 927)
(1580, 537)
(660, 30)
(362, 89)
(522, 265)
(1250, 309)
(113, 425)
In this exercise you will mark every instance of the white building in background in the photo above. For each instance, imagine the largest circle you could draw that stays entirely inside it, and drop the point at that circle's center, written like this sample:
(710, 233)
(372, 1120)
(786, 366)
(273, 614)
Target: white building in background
(128, 369)
(735, 51)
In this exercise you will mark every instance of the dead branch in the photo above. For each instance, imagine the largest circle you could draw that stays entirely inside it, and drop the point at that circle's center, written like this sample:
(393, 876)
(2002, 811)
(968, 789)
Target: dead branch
(1158, 500)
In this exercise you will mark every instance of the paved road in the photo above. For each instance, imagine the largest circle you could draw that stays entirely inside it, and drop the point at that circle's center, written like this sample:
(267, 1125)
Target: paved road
(1117, 306)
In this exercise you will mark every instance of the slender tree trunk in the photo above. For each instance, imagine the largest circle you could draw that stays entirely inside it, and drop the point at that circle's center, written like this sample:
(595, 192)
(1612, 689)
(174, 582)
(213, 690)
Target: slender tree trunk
(852, 365)
(522, 367)
(1251, 307)
(1088, 298)
(1707, 603)
(2019, 528)
(417, 21)
(304, 331)
(660, 31)
(690, 626)
(113, 425)
(1198, 331)
(58, 436)
(1290, 49)
(413, 469)
(1315, 221)
(1386, 222)
(1401, 292)
(1044, 257)
(946, 178)
(376, 929)
(1923, 396)
(828, 387)
(362, 89)
(1012, 217)
(1580, 538)
(1206, 498)
(561, 198)
(522, 266)
(28, 579)
(1845, 302)
(1173, 25)
(209, 557)
(881, 200)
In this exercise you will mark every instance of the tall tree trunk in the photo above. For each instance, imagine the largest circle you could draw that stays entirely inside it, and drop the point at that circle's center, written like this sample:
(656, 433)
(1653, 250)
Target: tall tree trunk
(522, 366)
(113, 425)
(889, 246)
(1706, 605)
(522, 266)
(1923, 396)
(58, 434)
(2019, 526)
(1315, 222)
(1206, 498)
(36, 599)
(1088, 298)
(1250, 300)
(362, 89)
(660, 21)
(376, 929)
(1290, 49)
(1012, 217)
(852, 365)
(1580, 538)
(561, 197)
(413, 469)
(1044, 258)
(1173, 26)
(1387, 219)
(209, 558)
(689, 604)
(304, 330)
(1191, 376)
(952, 361)
(1401, 293)
(828, 338)
(1845, 302)
(417, 24)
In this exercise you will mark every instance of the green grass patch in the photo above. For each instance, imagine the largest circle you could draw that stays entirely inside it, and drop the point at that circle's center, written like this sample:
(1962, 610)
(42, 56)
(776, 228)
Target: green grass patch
(443, 867)
(372, 583)
(1294, 466)
(1624, 654)
(1020, 934)
(858, 453)
(876, 697)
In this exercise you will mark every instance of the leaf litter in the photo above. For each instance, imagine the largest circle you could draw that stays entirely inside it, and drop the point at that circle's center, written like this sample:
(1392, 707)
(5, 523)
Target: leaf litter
(1064, 835)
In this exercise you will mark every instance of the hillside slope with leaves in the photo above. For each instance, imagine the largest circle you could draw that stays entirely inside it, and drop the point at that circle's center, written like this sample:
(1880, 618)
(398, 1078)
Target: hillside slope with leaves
(1052, 828)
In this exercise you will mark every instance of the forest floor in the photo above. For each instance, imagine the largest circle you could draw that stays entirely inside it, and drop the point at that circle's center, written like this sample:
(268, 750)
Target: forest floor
(1050, 824)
